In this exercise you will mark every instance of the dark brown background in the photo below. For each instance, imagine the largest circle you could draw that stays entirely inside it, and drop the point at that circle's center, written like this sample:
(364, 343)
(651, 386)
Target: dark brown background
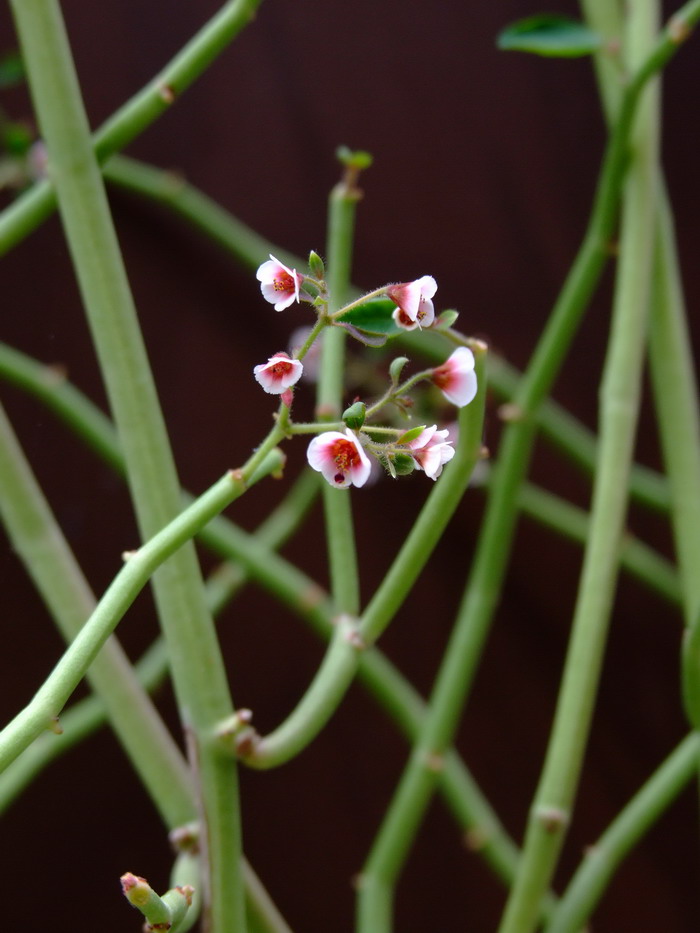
(484, 169)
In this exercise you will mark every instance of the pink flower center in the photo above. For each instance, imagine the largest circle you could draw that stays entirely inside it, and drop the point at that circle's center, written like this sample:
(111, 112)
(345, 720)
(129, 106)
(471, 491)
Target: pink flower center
(442, 376)
(281, 368)
(283, 282)
(345, 455)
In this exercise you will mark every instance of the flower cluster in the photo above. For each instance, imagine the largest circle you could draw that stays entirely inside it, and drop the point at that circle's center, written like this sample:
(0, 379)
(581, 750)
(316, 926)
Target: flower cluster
(342, 456)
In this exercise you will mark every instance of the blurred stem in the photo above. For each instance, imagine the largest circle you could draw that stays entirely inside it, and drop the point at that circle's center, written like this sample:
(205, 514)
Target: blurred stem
(337, 503)
(603, 858)
(32, 208)
(407, 808)
(620, 398)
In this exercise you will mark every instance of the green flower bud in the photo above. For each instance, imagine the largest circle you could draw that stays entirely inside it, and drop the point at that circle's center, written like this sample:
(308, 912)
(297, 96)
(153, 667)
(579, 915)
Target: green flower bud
(403, 464)
(395, 369)
(354, 416)
(316, 266)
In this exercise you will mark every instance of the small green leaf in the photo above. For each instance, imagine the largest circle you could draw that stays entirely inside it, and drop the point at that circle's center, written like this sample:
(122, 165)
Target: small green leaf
(316, 265)
(550, 35)
(373, 317)
(411, 435)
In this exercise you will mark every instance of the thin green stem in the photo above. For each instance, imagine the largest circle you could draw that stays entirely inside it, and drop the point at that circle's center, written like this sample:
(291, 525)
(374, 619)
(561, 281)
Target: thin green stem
(32, 208)
(337, 503)
(407, 809)
(620, 398)
(637, 558)
(602, 860)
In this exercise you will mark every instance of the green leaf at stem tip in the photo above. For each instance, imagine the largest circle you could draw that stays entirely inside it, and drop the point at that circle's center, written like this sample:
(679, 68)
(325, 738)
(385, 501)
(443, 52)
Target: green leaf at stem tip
(373, 317)
(550, 35)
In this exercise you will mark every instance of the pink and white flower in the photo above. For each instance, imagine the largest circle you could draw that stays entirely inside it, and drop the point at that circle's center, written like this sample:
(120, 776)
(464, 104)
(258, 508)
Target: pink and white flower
(278, 283)
(456, 378)
(339, 458)
(431, 450)
(279, 373)
(414, 301)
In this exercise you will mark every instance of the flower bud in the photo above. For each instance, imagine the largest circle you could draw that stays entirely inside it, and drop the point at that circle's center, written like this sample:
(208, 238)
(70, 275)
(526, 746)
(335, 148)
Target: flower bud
(316, 266)
(403, 464)
(354, 416)
(396, 367)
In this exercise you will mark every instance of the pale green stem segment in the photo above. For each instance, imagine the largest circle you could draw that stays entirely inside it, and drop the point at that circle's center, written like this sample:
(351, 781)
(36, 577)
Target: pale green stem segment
(32, 208)
(602, 860)
(199, 676)
(620, 398)
(676, 398)
(43, 711)
(352, 637)
(337, 503)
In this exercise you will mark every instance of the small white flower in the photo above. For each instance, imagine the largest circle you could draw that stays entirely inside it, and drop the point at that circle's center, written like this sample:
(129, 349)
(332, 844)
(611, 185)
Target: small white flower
(414, 302)
(431, 450)
(456, 378)
(279, 373)
(278, 283)
(340, 458)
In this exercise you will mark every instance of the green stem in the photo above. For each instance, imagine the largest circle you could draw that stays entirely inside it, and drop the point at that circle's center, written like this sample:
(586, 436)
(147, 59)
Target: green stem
(676, 399)
(395, 837)
(32, 208)
(602, 860)
(643, 563)
(620, 397)
(337, 504)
